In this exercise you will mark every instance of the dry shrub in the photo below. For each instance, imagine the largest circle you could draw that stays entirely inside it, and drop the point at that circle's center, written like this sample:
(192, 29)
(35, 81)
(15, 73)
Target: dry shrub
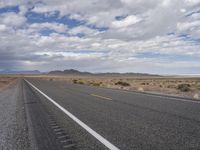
(96, 84)
(80, 82)
(122, 83)
(75, 81)
(184, 87)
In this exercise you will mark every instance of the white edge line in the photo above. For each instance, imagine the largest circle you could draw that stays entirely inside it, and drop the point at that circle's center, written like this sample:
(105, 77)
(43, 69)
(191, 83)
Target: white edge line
(173, 98)
(82, 124)
(163, 96)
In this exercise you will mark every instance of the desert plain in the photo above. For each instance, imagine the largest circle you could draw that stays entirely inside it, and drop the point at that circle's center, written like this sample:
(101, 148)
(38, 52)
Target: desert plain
(181, 86)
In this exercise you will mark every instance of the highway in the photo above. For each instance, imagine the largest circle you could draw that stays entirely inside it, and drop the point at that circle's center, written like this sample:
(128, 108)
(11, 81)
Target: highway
(61, 115)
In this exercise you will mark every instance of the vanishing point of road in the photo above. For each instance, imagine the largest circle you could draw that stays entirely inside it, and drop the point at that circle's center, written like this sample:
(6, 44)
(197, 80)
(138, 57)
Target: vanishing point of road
(61, 115)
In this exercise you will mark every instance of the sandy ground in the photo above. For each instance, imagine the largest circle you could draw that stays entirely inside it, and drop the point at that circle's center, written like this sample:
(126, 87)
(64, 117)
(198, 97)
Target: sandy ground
(160, 85)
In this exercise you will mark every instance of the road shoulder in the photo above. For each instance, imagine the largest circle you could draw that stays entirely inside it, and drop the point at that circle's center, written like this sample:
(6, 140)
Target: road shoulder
(13, 131)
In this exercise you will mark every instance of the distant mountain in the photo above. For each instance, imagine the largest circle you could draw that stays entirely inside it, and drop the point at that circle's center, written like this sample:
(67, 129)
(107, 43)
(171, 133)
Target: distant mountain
(20, 72)
(69, 72)
(56, 72)
(76, 72)
(127, 74)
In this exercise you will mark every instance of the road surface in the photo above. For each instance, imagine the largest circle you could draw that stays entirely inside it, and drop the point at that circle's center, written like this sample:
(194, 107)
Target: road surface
(122, 119)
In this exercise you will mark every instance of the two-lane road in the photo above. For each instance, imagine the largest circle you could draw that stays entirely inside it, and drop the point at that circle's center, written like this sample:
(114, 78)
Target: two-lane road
(128, 120)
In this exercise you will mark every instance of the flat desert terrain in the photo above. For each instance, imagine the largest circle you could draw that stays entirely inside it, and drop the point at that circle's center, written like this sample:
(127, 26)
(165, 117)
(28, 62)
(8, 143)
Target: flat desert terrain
(188, 87)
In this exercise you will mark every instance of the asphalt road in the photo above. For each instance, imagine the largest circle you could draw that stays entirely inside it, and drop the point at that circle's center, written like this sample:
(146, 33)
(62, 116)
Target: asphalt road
(128, 120)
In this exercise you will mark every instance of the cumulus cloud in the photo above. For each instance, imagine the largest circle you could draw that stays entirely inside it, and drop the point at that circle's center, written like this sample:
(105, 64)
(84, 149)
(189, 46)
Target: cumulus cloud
(115, 35)
(130, 20)
(12, 19)
(35, 27)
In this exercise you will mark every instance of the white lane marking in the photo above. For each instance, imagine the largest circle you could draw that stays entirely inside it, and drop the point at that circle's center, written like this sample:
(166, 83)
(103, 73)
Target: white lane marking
(82, 124)
(161, 96)
(171, 98)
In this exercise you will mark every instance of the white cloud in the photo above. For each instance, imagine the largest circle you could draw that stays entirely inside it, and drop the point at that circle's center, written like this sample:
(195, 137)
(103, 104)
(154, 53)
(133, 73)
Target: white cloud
(158, 17)
(151, 27)
(191, 26)
(6, 3)
(83, 30)
(192, 2)
(53, 26)
(128, 21)
(12, 19)
(3, 27)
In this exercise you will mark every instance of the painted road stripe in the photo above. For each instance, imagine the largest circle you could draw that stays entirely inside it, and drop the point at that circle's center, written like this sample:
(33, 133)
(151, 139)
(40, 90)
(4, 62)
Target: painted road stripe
(100, 96)
(168, 97)
(82, 124)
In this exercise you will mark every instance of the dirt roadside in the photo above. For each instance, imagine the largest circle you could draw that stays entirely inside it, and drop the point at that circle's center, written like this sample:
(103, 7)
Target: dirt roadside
(188, 87)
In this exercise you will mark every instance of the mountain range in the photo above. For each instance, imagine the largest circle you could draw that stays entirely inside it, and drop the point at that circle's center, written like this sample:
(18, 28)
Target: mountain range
(76, 72)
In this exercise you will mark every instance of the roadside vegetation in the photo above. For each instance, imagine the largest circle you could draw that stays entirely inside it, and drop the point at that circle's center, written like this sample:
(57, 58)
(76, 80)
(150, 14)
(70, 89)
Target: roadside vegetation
(184, 87)
(122, 83)
(78, 82)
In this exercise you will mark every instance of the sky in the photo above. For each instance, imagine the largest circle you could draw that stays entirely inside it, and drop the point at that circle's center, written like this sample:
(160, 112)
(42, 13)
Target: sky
(154, 36)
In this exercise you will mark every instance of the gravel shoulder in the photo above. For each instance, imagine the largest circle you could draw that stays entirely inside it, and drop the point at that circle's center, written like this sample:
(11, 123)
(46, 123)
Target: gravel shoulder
(13, 128)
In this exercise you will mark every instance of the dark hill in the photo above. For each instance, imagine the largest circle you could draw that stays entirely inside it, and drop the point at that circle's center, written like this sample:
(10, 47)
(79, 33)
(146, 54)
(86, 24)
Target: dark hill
(76, 72)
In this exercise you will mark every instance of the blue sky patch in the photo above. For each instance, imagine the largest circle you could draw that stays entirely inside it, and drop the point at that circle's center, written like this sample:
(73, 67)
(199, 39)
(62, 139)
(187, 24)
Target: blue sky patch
(121, 17)
(52, 17)
(191, 13)
(80, 35)
(149, 55)
(46, 32)
(186, 37)
(171, 33)
(169, 57)
(14, 9)
(97, 28)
